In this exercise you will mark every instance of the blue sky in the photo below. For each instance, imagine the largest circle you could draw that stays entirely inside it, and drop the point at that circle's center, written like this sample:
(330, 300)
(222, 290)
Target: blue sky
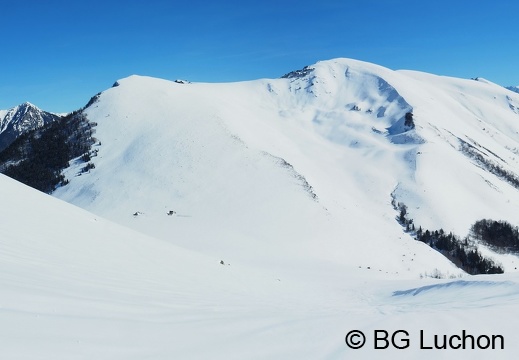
(57, 54)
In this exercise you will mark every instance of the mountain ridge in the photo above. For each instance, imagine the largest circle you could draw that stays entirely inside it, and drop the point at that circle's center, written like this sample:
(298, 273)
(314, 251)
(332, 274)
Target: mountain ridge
(341, 122)
(351, 136)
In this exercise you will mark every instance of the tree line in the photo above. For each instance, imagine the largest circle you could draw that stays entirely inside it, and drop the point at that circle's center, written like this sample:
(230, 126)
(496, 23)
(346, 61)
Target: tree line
(461, 252)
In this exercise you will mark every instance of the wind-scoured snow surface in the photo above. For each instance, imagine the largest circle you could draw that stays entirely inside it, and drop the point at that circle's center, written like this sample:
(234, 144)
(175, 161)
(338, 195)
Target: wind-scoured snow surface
(288, 182)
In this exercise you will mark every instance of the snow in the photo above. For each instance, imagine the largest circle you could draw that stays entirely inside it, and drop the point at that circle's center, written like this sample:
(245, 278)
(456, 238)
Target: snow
(200, 149)
(236, 162)
(77, 286)
(160, 151)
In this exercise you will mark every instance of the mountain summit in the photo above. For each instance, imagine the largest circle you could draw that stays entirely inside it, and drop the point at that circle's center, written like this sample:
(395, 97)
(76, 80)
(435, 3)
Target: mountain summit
(21, 119)
(316, 160)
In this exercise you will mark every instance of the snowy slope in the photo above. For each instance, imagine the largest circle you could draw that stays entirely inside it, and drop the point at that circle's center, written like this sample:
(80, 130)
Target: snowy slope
(76, 286)
(303, 168)
(236, 198)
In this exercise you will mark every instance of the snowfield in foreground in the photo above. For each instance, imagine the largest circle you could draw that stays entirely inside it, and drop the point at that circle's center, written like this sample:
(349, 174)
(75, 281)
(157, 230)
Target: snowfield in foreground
(254, 220)
(77, 286)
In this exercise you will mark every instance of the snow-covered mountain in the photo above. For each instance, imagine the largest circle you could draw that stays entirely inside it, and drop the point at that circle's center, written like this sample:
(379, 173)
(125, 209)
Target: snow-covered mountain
(20, 119)
(257, 220)
(315, 157)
